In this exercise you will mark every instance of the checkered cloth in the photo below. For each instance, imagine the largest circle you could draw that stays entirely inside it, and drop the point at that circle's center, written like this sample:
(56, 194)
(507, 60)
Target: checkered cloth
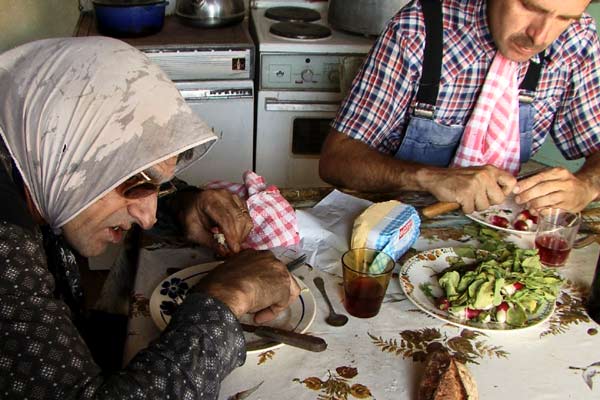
(492, 133)
(274, 218)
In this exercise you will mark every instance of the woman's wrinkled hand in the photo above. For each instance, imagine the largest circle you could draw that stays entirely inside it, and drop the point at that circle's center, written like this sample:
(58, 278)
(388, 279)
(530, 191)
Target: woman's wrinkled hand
(216, 208)
(252, 282)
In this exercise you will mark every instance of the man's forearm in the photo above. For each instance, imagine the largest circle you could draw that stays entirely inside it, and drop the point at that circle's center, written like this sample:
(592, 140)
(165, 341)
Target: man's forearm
(352, 164)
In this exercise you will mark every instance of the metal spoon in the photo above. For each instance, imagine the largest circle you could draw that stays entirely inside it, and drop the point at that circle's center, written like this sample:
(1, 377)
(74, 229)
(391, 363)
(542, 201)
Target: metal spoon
(333, 319)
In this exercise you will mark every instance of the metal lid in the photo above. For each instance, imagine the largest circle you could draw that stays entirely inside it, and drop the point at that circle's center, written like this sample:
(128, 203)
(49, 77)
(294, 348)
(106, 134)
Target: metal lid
(123, 3)
(292, 14)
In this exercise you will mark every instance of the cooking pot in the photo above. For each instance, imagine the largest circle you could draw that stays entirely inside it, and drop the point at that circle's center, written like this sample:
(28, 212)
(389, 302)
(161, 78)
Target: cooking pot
(367, 17)
(129, 18)
(210, 13)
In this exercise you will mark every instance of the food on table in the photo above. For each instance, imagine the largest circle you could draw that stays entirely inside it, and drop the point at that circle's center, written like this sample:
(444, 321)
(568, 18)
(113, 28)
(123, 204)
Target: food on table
(524, 221)
(445, 378)
(390, 226)
(507, 286)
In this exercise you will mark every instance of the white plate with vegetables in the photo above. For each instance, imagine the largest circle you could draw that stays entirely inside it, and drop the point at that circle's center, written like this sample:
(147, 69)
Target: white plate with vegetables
(507, 217)
(459, 286)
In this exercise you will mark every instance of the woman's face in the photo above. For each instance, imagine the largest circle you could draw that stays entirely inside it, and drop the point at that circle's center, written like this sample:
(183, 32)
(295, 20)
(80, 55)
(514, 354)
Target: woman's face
(105, 221)
(523, 28)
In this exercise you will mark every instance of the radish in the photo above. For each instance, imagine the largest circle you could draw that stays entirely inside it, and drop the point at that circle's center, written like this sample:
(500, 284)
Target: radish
(501, 312)
(511, 288)
(497, 220)
(443, 303)
(471, 313)
(520, 225)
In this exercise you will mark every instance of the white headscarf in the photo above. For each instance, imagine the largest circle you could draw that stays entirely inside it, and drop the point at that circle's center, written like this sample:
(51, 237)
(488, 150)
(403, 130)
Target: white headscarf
(81, 115)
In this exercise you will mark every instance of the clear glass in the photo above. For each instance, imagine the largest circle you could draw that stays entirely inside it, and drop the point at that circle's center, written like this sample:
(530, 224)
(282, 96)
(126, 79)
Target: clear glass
(556, 232)
(367, 274)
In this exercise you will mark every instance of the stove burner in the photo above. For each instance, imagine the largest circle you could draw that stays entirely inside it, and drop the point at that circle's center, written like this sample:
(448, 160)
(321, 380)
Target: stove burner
(292, 14)
(300, 30)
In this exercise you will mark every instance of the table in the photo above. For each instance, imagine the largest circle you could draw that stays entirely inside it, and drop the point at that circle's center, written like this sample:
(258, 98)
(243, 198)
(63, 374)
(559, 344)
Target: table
(383, 355)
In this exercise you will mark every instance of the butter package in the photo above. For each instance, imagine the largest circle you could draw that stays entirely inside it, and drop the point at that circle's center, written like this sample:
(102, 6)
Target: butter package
(391, 227)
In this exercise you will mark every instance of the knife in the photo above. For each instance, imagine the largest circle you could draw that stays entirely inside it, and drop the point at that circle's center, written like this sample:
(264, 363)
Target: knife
(301, 340)
(444, 207)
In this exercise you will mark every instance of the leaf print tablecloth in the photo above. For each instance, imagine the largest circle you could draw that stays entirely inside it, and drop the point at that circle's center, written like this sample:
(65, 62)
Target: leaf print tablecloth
(382, 357)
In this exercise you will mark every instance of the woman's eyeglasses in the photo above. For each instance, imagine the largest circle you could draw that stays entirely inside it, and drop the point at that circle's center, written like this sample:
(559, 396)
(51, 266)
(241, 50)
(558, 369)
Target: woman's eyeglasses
(141, 185)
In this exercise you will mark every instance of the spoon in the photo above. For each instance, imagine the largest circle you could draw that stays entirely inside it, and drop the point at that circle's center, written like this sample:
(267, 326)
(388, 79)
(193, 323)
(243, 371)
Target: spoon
(333, 319)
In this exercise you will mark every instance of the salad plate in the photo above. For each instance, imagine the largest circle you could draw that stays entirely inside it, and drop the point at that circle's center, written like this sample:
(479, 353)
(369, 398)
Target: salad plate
(511, 212)
(171, 291)
(419, 275)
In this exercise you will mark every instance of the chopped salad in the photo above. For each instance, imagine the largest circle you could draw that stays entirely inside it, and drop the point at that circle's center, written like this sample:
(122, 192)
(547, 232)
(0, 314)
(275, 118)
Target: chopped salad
(505, 284)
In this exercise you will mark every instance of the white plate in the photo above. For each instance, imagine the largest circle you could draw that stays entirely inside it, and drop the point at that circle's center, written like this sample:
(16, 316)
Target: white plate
(297, 317)
(422, 267)
(509, 210)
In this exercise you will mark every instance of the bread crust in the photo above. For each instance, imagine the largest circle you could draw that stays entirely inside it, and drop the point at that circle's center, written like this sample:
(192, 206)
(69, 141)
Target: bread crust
(445, 378)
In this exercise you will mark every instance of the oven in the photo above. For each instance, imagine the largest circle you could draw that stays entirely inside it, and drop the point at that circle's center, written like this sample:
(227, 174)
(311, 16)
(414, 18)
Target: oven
(228, 108)
(300, 62)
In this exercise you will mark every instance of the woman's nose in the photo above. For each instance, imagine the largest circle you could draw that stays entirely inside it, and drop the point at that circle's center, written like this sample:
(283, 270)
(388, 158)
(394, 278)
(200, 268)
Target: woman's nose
(144, 211)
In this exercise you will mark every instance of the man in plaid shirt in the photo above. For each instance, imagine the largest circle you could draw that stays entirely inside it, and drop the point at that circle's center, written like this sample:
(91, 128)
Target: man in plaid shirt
(380, 140)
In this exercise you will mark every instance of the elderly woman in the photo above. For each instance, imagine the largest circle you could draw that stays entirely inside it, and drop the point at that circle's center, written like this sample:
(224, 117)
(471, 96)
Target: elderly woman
(91, 131)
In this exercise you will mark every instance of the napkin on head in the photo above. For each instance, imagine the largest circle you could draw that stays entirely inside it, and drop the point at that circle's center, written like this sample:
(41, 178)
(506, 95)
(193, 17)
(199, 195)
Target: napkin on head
(274, 218)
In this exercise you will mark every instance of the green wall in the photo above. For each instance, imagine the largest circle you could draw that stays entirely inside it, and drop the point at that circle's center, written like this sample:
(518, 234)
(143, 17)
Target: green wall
(22, 21)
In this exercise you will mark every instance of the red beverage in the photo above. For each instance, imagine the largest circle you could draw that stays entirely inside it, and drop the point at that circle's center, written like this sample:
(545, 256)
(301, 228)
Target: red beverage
(363, 297)
(553, 250)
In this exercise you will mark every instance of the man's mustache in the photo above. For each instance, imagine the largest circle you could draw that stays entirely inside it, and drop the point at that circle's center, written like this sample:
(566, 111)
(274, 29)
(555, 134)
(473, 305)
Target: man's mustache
(523, 41)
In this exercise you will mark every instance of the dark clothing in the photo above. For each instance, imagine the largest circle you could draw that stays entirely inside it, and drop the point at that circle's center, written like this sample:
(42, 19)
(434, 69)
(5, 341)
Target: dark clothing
(42, 355)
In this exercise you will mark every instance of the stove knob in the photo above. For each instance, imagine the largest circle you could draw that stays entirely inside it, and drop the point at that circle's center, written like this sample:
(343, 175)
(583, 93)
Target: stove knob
(334, 76)
(307, 75)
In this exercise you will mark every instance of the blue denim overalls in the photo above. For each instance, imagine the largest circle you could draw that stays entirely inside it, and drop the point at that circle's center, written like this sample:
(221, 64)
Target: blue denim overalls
(428, 142)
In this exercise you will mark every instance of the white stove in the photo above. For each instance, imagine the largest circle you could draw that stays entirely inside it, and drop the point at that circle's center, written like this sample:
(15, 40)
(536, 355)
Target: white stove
(301, 81)
(337, 42)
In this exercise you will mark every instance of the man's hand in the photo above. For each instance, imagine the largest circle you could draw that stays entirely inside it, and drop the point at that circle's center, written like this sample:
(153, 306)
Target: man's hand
(555, 187)
(202, 211)
(252, 282)
(474, 188)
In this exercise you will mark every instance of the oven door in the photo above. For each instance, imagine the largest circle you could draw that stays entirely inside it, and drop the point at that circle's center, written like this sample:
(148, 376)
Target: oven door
(290, 129)
(228, 108)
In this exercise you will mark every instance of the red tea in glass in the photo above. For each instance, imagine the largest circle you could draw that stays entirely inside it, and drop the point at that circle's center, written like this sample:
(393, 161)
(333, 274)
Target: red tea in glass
(553, 250)
(363, 297)
(366, 274)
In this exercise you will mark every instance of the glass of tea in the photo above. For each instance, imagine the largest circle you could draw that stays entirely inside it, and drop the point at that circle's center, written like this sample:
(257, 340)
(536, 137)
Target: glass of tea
(556, 232)
(366, 273)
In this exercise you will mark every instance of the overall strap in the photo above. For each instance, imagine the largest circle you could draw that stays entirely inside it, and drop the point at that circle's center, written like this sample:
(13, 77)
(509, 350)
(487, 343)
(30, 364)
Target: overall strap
(432, 55)
(532, 77)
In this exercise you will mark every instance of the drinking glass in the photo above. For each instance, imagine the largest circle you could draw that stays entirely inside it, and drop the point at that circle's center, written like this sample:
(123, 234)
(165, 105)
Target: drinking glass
(556, 232)
(366, 273)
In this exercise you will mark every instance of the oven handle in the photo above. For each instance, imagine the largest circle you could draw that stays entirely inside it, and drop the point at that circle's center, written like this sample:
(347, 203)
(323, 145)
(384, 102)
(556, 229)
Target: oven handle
(304, 106)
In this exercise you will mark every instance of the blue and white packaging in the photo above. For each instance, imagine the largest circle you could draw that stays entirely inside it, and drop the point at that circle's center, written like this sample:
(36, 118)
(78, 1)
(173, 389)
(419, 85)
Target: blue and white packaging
(391, 227)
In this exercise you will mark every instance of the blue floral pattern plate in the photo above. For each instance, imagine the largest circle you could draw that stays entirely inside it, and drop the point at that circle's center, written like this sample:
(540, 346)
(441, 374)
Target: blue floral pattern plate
(171, 291)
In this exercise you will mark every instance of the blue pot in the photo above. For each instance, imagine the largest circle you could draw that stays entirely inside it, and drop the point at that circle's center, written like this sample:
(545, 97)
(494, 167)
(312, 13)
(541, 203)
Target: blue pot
(129, 19)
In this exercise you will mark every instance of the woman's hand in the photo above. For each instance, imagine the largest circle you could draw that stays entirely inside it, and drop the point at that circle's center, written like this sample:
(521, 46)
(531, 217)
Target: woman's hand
(202, 211)
(252, 282)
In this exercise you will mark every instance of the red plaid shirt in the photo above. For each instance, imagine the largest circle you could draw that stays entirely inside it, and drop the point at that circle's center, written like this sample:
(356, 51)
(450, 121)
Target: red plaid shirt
(567, 101)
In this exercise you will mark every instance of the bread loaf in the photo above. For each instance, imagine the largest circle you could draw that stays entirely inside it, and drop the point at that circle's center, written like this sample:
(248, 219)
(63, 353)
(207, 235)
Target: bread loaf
(445, 378)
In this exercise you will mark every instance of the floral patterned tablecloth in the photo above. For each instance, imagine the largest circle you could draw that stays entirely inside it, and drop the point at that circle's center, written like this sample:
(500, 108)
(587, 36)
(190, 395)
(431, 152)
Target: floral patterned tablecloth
(382, 357)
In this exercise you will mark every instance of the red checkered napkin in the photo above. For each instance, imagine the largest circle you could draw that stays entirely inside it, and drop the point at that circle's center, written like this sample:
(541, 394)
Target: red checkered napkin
(275, 222)
(492, 133)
